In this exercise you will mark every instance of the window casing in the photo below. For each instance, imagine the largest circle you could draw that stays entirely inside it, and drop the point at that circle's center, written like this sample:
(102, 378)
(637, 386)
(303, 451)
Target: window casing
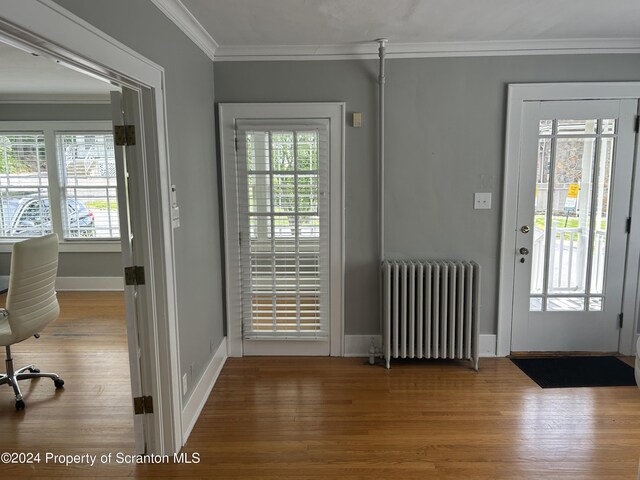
(59, 177)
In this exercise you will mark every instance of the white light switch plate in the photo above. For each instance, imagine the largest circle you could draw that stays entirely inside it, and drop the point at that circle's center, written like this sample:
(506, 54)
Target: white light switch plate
(482, 201)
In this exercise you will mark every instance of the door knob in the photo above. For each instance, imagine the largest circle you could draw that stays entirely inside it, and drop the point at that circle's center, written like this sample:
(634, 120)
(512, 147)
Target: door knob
(525, 229)
(524, 251)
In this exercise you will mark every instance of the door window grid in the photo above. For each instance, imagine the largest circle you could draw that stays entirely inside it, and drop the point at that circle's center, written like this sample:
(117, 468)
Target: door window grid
(571, 282)
(286, 258)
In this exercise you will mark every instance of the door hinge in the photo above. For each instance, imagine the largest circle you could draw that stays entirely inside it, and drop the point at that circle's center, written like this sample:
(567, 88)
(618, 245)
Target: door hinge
(134, 275)
(637, 126)
(142, 405)
(236, 142)
(240, 238)
(124, 135)
(620, 317)
(627, 227)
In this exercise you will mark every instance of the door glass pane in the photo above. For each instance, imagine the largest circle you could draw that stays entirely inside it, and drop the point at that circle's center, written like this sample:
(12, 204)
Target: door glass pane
(282, 151)
(284, 273)
(576, 127)
(601, 211)
(535, 304)
(566, 304)
(595, 304)
(574, 162)
(573, 165)
(540, 208)
(608, 125)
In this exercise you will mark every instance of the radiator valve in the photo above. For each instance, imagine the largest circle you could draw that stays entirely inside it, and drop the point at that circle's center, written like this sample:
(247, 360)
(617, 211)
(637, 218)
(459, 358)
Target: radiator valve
(372, 353)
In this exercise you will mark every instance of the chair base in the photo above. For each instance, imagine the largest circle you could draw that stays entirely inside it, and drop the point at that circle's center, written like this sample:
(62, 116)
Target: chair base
(12, 377)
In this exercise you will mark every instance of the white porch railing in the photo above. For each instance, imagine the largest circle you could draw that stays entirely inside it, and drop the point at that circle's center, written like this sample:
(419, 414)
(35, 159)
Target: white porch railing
(567, 261)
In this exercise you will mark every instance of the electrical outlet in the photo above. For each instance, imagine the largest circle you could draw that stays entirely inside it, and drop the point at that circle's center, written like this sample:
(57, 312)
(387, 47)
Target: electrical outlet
(184, 384)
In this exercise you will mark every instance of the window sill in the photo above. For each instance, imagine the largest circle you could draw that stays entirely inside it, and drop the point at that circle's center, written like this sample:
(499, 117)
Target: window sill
(74, 246)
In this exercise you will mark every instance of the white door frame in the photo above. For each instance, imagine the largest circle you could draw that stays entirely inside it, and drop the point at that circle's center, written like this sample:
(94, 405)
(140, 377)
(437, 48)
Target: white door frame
(228, 114)
(46, 27)
(517, 95)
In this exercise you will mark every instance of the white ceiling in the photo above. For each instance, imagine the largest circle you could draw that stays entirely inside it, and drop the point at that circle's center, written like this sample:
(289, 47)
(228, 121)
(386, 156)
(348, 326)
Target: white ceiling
(25, 77)
(260, 26)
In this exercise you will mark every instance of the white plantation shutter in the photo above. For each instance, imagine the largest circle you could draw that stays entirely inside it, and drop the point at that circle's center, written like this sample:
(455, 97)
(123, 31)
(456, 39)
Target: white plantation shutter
(283, 208)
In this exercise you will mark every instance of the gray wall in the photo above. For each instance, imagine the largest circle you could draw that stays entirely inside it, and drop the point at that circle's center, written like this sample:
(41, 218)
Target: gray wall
(445, 141)
(190, 116)
(70, 264)
(54, 112)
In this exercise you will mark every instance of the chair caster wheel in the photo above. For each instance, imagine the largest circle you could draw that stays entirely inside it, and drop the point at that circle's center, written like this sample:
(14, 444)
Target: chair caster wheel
(19, 405)
(34, 370)
(58, 383)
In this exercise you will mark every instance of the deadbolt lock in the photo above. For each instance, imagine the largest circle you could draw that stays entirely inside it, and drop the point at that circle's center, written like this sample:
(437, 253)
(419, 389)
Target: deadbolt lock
(524, 251)
(525, 229)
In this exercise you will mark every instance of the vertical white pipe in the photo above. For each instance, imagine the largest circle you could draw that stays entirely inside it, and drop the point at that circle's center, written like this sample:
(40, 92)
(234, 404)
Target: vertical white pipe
(382, 48)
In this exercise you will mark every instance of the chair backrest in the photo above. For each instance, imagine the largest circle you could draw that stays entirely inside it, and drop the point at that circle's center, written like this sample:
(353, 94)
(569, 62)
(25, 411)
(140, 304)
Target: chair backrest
(31, 300)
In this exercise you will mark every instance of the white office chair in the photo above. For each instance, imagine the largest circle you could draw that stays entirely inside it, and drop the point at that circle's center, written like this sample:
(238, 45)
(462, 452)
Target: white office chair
(636, 371)
(31, 304)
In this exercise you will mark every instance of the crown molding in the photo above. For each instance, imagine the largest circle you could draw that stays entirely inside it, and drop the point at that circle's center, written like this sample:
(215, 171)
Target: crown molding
(185, 21)
(53, 98)
(423, 50)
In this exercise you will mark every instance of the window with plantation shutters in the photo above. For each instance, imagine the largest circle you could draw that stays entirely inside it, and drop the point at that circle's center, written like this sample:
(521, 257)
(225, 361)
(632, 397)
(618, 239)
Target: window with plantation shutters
(283, 207)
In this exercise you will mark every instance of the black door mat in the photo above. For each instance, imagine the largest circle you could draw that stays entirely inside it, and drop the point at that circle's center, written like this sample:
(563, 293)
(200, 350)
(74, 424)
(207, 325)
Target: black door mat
(582, 371)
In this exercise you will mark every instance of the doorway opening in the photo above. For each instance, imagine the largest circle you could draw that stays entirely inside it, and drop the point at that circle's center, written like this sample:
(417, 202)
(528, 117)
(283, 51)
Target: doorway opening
(44, 31)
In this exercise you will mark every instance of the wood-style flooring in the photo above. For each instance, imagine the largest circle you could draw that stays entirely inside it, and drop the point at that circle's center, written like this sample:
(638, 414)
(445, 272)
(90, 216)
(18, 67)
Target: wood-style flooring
(320, 418)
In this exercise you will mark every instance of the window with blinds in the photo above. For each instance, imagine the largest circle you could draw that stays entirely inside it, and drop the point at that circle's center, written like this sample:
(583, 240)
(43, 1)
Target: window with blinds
(88, 184)
(284, 227)
(24, 186)
(58, 177)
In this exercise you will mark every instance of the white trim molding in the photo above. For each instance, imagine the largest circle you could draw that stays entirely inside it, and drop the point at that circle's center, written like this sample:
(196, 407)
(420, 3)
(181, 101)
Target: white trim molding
(358, 345)
(53, 99)
(89, 284)
(185, 21)
(487, 345)
(369, 50)
(200, 394)
(229, 114)
(518, 94)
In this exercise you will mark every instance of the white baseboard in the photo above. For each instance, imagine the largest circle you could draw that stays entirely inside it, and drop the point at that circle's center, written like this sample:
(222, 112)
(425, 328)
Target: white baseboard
(200, 394)
(488, 344)
(358, 345)
(89, 283)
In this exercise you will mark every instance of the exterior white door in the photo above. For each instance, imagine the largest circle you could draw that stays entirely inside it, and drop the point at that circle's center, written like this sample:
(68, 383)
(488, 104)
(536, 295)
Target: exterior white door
(283, 199)
(575, 174)
(283, 171)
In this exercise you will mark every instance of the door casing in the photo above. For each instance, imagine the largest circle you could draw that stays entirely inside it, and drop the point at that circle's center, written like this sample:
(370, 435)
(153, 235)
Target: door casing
(517, 95)
(229, 113)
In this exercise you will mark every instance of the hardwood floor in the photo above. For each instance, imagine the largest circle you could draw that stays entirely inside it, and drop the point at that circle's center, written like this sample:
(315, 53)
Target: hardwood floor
(322, 418)
(87, 347)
